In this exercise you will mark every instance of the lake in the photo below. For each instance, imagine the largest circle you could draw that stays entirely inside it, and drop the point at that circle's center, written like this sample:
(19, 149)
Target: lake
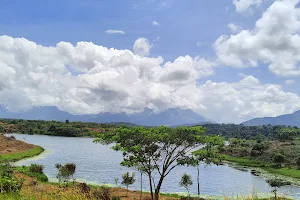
(99, 164)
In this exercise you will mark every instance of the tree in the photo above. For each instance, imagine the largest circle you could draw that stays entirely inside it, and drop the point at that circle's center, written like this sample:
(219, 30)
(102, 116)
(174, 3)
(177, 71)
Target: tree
(279, 159)
(275, 183)
(208, 154)
(128, 180)
(65, 172)
(156, 150)
(67, 121)
(186, 182)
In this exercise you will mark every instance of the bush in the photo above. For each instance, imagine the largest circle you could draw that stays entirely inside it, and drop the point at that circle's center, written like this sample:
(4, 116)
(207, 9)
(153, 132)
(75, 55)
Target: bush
(103, 193)
(84, 188)
(9, 184)
(35, 168)
(115, 198)
(255, 153)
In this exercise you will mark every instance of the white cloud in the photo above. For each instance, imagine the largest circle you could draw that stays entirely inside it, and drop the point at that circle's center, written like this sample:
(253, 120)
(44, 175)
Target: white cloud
(242, 6)
(275, 41)
(112, 32)
(290, 82)
(142, 47)
(155, 23)
(116, 81)
(234, 28)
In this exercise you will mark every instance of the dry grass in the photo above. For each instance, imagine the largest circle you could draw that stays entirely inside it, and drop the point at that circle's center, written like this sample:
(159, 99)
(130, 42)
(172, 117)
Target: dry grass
(10, 145)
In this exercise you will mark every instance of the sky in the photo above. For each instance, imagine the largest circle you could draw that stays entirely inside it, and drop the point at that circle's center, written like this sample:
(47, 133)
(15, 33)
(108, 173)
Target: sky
(229, 60)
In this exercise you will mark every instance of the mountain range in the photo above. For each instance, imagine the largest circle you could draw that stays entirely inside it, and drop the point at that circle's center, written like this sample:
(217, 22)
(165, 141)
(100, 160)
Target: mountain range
(288, 120)
(170, 117)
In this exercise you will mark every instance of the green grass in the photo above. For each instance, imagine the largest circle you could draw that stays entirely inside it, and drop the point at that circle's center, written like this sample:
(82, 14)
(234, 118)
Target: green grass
(246, 161)
(290, 172)
(13, 157)
(25, 170)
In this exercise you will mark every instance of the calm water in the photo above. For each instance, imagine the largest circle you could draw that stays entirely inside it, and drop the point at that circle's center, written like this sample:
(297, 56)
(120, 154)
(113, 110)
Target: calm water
(99, 164)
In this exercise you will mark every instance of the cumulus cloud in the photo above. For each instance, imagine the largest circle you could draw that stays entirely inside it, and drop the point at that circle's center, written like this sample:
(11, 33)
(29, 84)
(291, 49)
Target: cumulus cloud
(155, 23)
(142, 47)
(275, 41)
(234, 28)
(113, 80)
(113, 32)
(242, 6)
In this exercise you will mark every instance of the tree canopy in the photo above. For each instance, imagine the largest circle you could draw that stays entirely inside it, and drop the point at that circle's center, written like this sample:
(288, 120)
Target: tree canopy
(156, 150)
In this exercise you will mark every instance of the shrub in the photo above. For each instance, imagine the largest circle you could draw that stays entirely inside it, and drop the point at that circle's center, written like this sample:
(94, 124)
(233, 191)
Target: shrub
(35, 168)
(84, 188)
(103, 193)
(65, 172)
(9, 184)
(255, 153)
(115, 198)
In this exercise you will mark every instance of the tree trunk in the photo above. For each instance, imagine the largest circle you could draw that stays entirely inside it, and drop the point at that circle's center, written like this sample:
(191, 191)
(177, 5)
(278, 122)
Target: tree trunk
(157, 190)
(151, 187)
(198, 180)
(141, 195)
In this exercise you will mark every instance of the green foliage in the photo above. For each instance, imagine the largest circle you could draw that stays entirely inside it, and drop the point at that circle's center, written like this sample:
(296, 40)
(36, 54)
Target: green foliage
(12, 157)
(8, 184)
(276, 183)
(127, 179)
(278, 158)
(287, 134)
(251, 132)
(186, 182)
(35, 172)
(35, 168)
(65, 172)
(116, 198)
(157, 149)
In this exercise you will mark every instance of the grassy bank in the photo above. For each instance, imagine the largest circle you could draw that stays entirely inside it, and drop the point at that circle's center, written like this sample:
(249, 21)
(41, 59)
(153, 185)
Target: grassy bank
(13, 157)
(290, 172)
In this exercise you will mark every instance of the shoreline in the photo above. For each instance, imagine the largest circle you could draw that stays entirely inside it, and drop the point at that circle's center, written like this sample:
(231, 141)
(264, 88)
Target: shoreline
(291, 175)
(20, 155)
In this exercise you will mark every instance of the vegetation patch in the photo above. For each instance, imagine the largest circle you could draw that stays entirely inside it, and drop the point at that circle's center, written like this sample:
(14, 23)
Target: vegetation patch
(27, 170)
(13, 157)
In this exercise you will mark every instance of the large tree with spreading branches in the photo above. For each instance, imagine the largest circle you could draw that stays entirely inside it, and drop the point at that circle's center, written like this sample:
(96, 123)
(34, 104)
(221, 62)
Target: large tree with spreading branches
(156, 151)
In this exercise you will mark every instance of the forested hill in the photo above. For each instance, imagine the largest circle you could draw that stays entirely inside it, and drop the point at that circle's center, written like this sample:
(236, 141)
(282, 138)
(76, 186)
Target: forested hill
(288, 120)
(251, 132)
(77, 129)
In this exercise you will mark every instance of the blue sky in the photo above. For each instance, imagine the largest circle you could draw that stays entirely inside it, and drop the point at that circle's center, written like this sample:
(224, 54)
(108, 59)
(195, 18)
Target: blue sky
(185, 28)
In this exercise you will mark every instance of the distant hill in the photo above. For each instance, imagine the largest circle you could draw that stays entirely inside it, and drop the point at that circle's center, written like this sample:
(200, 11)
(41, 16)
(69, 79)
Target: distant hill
(170, 117)
(288, 120)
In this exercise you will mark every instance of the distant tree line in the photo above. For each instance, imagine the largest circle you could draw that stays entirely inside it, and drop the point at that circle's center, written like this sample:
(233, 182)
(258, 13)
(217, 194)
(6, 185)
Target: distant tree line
(252, 132)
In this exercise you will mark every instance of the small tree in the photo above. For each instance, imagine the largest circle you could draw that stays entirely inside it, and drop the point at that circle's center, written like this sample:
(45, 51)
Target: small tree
(65, 172)
(186, 182)
(279, 159)
(208, 154)
(275, 183)
(67, 121)
(128, 180)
